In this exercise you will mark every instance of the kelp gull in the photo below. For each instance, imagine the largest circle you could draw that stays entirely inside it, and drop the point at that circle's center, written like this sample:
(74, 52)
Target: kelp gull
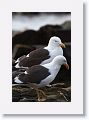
(42, 55)
(42, 75)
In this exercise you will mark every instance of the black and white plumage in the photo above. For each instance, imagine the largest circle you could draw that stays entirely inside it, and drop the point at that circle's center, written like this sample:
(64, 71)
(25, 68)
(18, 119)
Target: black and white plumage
(43, 55)
(42, 75)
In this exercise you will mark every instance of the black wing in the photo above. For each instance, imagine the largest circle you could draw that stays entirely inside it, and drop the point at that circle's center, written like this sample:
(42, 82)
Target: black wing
(35, 74)
(35, 57)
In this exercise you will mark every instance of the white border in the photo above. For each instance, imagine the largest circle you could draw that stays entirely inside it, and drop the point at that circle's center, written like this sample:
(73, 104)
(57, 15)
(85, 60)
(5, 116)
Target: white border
(76, 104)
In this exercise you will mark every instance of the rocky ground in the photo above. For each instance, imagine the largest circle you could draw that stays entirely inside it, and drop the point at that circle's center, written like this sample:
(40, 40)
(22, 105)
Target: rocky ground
(55, 93)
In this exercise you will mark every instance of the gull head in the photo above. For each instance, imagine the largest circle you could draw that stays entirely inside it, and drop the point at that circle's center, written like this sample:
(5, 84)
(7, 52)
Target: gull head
(60, 60)
(56, 42)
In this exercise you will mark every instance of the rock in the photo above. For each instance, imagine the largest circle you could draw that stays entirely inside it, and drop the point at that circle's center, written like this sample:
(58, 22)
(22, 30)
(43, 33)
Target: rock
(22, 93)
(28, 100)
(26, 13)
(15, 95)
(42, 36)
(20, 50)
(13, 62)
(27, 37)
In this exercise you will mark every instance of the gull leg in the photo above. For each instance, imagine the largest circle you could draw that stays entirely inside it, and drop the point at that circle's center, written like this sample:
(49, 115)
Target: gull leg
(41, 95)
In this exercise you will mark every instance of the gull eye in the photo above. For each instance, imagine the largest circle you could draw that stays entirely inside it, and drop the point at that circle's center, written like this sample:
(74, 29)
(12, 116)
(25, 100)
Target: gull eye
(56, 41)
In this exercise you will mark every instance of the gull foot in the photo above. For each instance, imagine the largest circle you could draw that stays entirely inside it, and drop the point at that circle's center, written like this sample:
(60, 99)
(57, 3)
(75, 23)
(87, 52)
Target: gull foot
(41, 95)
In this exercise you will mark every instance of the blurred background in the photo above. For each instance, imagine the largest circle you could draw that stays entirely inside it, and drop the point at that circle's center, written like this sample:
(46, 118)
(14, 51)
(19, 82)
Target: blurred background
(35, 20)
(32, 30)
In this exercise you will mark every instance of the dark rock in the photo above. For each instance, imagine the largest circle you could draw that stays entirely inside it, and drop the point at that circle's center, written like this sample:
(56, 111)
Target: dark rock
(27, 37)
(37, 13)
(48, 31)
(15, 95)
(15, 99)
(20, 50)
(26, 13)
(42, 36)
(51, 100)
(28, 93)
(13, 62)
(28, 100)
(23, 93)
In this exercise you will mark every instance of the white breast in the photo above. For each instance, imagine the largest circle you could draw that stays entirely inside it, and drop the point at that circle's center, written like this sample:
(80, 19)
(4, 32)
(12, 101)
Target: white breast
(53, 70)
(53, 54)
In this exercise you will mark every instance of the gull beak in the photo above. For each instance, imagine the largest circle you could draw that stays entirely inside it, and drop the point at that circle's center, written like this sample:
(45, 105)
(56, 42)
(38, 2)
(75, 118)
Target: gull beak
(62, 45)
(66, 65)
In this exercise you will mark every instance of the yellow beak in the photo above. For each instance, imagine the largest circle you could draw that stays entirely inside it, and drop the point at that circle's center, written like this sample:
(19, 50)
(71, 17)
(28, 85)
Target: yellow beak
(66, 65)
(62, 45)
